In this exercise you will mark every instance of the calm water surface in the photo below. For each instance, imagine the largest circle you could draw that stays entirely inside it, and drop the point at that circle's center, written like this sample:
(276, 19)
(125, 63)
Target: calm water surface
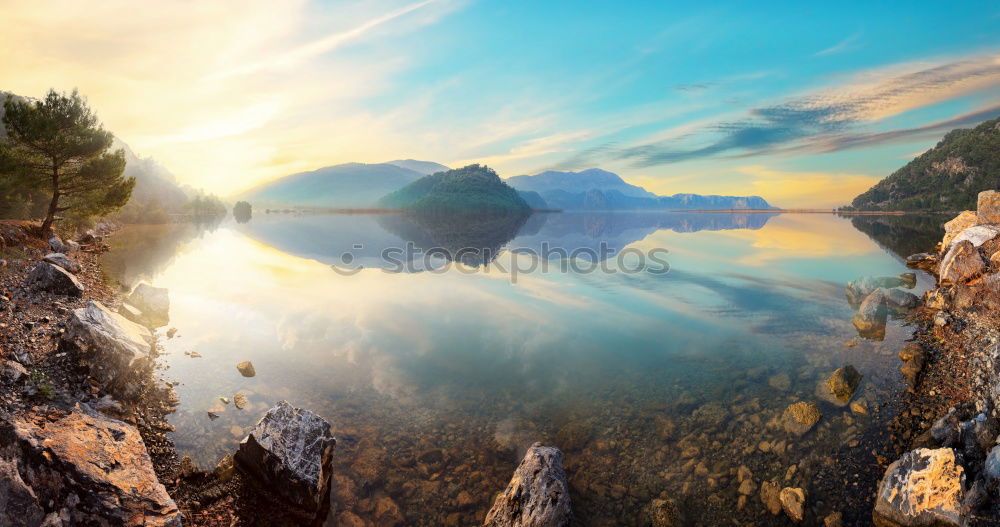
(436, 377)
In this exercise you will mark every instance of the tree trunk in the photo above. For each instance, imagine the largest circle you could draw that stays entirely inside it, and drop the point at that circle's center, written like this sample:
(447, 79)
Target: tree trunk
(50, 215)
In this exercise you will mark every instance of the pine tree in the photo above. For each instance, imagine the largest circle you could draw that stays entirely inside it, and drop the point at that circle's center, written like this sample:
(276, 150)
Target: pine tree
(57, 145)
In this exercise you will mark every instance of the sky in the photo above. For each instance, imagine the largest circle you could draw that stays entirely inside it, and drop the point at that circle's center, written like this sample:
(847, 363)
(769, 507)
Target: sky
(805, 105)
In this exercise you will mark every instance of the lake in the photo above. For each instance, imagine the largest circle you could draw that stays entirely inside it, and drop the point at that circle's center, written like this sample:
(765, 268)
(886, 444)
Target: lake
(657, 350)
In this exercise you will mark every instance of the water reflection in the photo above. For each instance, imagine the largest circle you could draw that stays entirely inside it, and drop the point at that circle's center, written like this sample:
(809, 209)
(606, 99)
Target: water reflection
(652, 384)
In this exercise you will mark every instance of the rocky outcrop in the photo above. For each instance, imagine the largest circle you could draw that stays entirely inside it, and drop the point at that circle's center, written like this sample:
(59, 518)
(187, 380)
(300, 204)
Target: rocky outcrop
(117, 352)
(153, 303)
(53, 279)
(959, 223)
(537, 495)
(800, 417)
(63, 261)
(872, 315)
(290, 452)
(81, 468)
(977, 235)
(961, 264)
(924, 488)
(840, 386)
(988, 207)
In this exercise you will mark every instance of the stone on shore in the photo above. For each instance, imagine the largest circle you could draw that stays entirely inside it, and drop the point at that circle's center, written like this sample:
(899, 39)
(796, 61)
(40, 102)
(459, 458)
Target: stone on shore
(925, 261)
(537, 495)
(793, 502)
(952, 228)
(117, 351)
(872, 315)
(53, 279)
(901, 300)
(290, 452)
(913, 357)
(961, 264)
(12, 372)
(84, 467)
(57, 245)
(800, 417)
(924, 488)
(840, 386)
(152, 302)
(988, 207)
(63, 261)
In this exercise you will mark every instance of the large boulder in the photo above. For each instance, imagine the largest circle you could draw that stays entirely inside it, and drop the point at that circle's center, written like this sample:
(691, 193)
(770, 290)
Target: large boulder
(840, 386)
(924, 488)
(537, 495)
(290, 452)
(963, 221)
(978, 234)
(152, 302)
(961, 264)
(118, 352)
(83, 468)
(872, 315)
(988, 207)
(63, 261)
(53, 279)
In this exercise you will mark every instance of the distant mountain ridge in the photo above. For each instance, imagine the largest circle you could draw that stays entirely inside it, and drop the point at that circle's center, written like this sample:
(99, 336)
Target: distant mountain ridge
(360, 185)
(595, 189)
(946, 177)
(350, 185)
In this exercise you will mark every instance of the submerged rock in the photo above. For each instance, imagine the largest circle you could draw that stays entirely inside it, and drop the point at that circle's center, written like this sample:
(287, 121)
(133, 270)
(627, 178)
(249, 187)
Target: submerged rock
(63, 261)
(240, 401)
(53, 279)
(961, 264)
(153, 302)
(988, 207)
(290, 451)
(800, 417)
(85, 467)
(770, 496)
(793, 502)
(537, 495)
(923, 488)
(840, 386)
(872, 315)
(665, 513)
(246, 369)
(909, 280)
(117, 351)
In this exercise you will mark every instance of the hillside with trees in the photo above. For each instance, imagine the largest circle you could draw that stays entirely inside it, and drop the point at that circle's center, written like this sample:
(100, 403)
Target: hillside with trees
(947, 177)
(475, 188)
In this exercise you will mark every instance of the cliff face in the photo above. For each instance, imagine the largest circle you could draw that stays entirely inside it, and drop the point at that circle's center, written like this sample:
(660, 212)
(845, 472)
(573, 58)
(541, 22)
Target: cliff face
(946, 177)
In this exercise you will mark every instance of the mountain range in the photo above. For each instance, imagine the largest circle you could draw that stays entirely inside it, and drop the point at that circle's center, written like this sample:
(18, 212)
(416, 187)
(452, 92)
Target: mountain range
(948, 177)
(360, 185)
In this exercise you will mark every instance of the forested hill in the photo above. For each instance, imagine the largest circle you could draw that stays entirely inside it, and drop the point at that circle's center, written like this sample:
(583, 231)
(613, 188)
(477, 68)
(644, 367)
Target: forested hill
(949, 176)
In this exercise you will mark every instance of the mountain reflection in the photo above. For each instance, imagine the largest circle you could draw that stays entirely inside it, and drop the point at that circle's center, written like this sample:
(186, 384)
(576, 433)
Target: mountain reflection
(362, 240)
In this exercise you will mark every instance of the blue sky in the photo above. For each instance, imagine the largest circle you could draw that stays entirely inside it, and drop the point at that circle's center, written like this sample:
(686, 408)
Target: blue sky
(806, 105)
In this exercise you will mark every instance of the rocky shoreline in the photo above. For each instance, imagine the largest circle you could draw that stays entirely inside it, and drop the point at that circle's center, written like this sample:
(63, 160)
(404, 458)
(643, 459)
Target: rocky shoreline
(948, 472)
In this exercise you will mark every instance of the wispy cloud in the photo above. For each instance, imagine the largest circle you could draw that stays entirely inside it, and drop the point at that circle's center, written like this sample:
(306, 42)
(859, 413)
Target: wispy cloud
(827, 119)
(850, 43)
